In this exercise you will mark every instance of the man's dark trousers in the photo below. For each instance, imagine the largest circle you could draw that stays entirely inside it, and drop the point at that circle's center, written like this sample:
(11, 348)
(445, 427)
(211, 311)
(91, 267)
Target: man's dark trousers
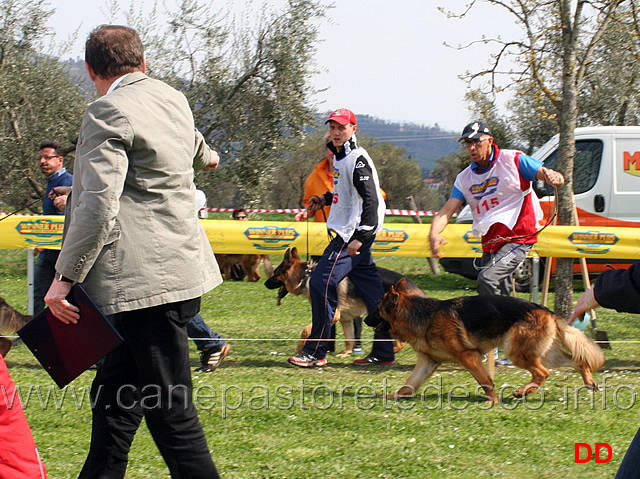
(44, 271)
(148, 375)
(332, 268)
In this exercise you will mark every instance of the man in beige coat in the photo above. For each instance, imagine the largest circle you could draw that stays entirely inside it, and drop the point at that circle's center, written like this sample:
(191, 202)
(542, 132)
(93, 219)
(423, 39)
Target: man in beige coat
(132, 240)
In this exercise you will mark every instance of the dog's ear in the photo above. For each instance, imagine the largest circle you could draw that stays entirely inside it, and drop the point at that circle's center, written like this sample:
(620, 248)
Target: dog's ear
(401, 287)
(393, 294)
(294, 253)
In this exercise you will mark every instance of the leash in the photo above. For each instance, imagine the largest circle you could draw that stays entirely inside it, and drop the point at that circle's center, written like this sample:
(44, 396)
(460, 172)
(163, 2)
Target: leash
(510, 239)
(20, 209)
(307, 221)
(330, 234)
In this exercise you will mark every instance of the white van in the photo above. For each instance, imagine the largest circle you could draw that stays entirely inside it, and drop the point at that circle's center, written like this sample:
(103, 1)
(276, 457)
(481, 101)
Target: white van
(606, 175)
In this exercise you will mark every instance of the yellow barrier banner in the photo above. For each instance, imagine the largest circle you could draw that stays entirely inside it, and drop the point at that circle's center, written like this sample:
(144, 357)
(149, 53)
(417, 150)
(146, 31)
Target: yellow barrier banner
(396, 239)
(589, 242)
(31, 232)
(555, 241)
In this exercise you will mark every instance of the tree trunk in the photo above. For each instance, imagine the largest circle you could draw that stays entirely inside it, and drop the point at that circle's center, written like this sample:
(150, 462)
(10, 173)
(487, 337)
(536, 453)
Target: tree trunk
(566, 154)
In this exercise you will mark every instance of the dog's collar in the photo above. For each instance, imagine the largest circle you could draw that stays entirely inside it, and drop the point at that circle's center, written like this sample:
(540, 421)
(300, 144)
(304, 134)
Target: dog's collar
(311, 265)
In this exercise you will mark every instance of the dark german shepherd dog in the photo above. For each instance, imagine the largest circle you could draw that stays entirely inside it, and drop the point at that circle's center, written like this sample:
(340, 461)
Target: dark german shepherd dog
(10, 321)
(463, 329)
(292, 276)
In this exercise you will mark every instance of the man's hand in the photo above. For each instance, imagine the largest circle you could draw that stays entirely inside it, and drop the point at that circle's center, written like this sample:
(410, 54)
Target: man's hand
(440, 222)
(59, 195)
(353, 247)
(59, 191)
(435, 241)
(586, 302)
(552, 177)
(60, 202)
(56, 299)
(315, 203)
(214, 160)
(302, 215)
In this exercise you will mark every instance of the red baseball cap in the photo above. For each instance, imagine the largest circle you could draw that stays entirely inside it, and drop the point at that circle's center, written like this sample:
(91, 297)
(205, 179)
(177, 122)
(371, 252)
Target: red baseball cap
(342, 116)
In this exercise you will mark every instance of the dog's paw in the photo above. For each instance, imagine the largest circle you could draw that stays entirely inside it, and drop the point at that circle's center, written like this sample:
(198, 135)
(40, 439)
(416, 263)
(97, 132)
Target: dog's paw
(526, 390)
(405, 392)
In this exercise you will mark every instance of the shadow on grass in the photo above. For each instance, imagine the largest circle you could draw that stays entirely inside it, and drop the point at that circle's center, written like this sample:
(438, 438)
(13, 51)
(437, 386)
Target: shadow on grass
(429, 282)
(622, 364)
(22, 365)
(281, 361)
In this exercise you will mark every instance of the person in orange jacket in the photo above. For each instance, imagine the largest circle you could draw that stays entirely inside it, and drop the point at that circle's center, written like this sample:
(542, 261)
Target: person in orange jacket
(319, 181)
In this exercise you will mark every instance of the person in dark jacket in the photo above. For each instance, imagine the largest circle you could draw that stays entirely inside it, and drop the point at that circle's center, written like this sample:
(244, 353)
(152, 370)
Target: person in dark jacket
(617, 289)
(356, 215)
(51, 162)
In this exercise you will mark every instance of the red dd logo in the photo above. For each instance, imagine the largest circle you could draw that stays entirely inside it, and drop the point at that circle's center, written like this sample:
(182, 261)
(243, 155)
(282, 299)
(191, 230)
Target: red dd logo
(589, 452)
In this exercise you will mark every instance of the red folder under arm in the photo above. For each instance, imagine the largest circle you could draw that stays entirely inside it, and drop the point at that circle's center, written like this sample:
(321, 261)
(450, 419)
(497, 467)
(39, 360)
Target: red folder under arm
(67, 350)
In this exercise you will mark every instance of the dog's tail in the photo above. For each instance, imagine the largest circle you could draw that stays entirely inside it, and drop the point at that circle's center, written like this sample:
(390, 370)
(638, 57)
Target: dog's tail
(10, 321)
(268, 265)
(10, 318)
(583, 350)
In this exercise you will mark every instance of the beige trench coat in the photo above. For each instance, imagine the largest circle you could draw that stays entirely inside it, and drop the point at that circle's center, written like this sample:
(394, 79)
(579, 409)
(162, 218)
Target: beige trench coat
(132, 237)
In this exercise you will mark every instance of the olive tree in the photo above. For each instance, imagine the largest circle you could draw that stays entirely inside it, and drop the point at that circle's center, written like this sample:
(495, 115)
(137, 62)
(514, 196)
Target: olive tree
(38, 102)
(247, 77)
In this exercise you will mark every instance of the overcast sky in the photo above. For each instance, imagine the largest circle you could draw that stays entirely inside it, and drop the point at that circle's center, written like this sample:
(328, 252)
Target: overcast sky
(379, 57)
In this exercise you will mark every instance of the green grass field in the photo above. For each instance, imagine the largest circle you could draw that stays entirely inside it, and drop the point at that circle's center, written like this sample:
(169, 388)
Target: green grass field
(266, 419)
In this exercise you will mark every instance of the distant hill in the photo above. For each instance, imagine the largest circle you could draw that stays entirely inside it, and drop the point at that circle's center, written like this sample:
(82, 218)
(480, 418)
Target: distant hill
(78, 74)
(425, 144)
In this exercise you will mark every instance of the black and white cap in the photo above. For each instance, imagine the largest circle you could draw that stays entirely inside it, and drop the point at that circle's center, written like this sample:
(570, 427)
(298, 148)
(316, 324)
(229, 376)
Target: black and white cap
(475, 131)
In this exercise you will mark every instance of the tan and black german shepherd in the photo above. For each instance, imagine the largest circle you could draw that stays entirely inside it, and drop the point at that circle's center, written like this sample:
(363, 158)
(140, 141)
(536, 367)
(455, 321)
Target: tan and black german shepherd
(248, 262)
(10, 321)
(292, 276)
(463, 329)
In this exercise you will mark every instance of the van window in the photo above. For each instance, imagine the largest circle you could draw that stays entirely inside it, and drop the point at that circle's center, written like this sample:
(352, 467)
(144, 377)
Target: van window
(586, 165)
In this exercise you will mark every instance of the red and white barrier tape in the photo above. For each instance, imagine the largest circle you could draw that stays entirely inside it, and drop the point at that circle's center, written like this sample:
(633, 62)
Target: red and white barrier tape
(391, 212)
(20, 214)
